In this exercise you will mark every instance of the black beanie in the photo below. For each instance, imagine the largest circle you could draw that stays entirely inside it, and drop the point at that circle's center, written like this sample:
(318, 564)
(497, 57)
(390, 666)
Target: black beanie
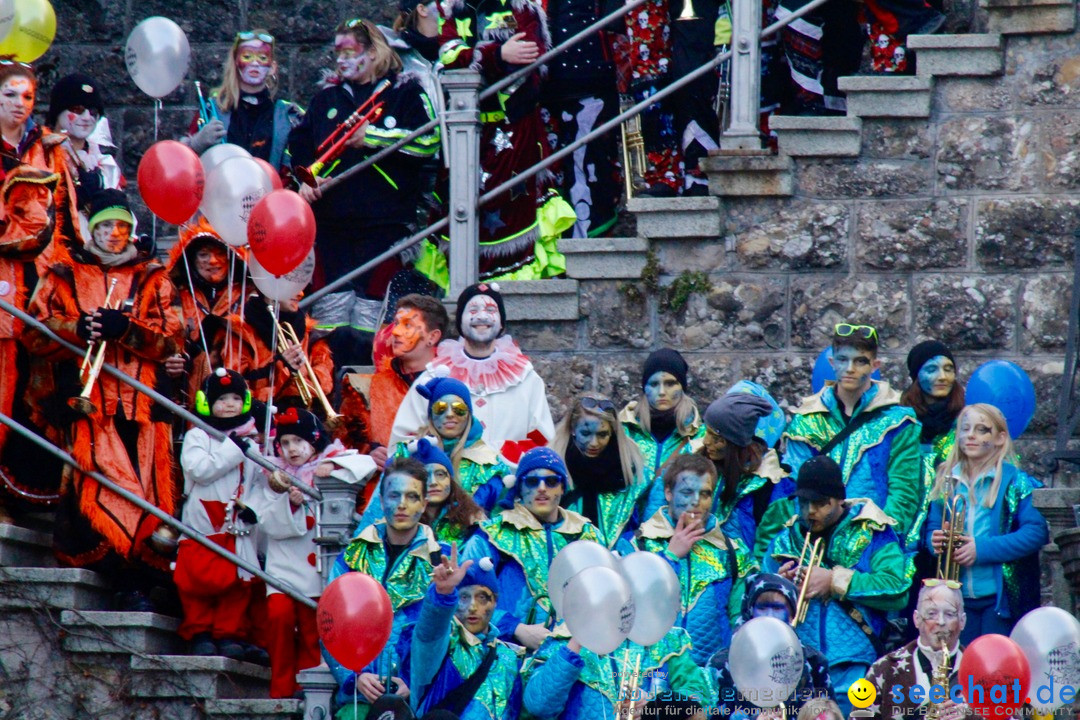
(820, 479)
(72, 90)
(483, 288)
(665, 360)
(926, 350)
(109, 204)
(221, 382)
(303, 424)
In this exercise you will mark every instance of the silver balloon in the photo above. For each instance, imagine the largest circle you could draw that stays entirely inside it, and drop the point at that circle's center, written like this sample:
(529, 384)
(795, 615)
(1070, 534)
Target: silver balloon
(571, 560)
(598, 609)
(232, 191)
(157, 56)
(285, 287)
(766, 661)
(1050, 638)
(218, 154)
(654, 587)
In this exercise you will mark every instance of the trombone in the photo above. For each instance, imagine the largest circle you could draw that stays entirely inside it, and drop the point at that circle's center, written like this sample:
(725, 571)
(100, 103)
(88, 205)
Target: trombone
(954, 515)
(91, 366)
(635, 162)
(307, 382)
(817, 554)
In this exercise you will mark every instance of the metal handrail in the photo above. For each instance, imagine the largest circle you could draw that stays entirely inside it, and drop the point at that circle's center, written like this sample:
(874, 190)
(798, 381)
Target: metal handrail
(160, 514)
(175, 408)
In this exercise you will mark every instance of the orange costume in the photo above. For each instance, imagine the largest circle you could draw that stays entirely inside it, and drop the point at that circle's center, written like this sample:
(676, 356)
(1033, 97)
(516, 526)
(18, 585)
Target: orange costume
(126, 438)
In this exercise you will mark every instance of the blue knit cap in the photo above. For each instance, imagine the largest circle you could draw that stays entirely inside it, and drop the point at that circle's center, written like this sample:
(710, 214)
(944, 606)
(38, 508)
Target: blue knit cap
(430, 454)
(439, 387)
(541, 458)
(481, 572)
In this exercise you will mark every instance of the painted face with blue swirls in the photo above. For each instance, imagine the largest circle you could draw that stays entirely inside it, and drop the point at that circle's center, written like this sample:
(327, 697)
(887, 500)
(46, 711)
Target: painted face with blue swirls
(476, 605)
(591, 436)
(541, 492)
(449, 415)
(403, 500)
(937, 377)
(692, 493)
(663, 391)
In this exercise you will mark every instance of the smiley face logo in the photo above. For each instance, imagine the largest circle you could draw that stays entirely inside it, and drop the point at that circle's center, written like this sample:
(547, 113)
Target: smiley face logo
(862, 693)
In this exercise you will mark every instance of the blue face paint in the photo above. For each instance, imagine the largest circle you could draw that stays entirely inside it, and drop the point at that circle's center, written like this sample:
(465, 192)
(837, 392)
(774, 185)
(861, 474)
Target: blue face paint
(476, 605)
(663, 391)
(542, 501)
(853, 368)
(402, 500)
(778, 610)
(591, 436)
(449, 416)
(692, 493)
(937, 377)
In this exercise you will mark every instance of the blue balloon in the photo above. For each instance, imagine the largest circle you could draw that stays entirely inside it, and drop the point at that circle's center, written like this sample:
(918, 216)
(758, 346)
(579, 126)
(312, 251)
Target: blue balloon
(823, 371)
(1007, 387)
(769, 427)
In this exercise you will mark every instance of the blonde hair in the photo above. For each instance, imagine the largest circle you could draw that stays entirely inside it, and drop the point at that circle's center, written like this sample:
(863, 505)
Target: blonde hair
(687, 417)
(370, 36)
(943, 484)
(227, 93)
(817, 706)
(633, 464)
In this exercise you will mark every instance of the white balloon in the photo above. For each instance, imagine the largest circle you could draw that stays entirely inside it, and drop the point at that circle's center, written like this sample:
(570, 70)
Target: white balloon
(1050, 638)
(286, 287)
(232, 191)
(654, 587)
(766, 661)
(599, 609)
(7, 17)
(157, 56)
(218, 154)
(571, 560)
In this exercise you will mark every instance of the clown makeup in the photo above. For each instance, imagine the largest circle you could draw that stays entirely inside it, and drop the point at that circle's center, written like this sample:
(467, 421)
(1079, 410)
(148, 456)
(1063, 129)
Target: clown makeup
(541, 492)
(480, 321)
(295, 450)
(449, 416)
(403, 501)
(78, 122)
(212, 263)
(407, 331)
(939, 618)
(977, 439)
(227, 406)
(715, 445)
(663, 391)
(692, 494)
(937, 377)
(112, 236)
(772, 604)
(353, 59)
(16, 101)
(254, 61)
(591, 436)
(853, 368)
(476, 605)
(438, 484)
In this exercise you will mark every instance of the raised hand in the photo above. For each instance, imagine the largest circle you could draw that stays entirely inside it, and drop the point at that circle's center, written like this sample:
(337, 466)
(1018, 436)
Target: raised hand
(448, 574)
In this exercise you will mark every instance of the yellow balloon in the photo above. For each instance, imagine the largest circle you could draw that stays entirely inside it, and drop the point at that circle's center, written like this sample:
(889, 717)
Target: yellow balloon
(34, 31)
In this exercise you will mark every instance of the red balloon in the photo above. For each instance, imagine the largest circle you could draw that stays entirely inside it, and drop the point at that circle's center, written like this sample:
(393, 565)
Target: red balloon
(275, 178)
(281, 231)
(994, 660)
(355, 618)
(171, 181)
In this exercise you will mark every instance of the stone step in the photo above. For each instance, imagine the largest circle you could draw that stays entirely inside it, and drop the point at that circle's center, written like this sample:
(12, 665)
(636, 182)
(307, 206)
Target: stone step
(120, 632)
(253, 709)
(976, 55)
(807, 136)
(23, 547)
(885, 96)
(1029, 17)
(604, 258)
(540, 299)
(742, 174)
(63, 588)
(680, 217)
(172, 676)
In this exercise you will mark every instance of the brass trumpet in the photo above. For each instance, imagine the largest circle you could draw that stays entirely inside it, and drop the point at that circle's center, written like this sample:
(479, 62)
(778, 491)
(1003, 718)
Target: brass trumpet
(334, 145)
(635, 161)
(91, 366)
(629, 686)
(307, 382)
(953, 515)
(817, 554)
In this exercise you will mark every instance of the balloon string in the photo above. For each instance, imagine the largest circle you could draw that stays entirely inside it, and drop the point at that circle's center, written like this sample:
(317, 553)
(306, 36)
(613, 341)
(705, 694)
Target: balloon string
(198, 312)
(229, 316)
(157, 111)
(273, 367)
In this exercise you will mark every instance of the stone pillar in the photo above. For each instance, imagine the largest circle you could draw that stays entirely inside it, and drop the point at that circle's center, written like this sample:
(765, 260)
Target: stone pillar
(463, 148)
(319, 688)
(1059, 583)
(744, 132)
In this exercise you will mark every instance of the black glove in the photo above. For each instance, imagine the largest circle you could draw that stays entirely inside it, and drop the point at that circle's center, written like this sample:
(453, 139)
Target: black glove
(145, 245)
(82, 328)
(242, 442)
(114, 323)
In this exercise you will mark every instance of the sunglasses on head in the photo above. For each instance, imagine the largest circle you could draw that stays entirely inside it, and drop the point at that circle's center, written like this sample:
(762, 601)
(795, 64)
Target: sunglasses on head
(935, 582)
(531, 482)
(847, 330)
(459, 408)
(16, 62)
(603, 404)
(252, 35)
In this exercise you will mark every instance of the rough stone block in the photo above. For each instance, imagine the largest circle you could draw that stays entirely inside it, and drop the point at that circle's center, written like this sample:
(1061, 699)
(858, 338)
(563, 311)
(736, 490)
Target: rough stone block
(65, 588)
(620, 377)
(20, 547)
(99, 21)
(974, 55)
(798, 235)
(710, 375)
(967, 312)
(119, 632)
(604, 258)
(819, 302)
(1051, 80)
(965, 94)
(565, 377)
(764, 175)
(1060, 150)
(739, 313)
(887, 96)
(786, 377)
(697, 217)
(915, 235)
(806, 136)
(1045, 374)
(988, 153)
(616, 318)
(540, 299)
(136, 133)
(202, 20)
(864, 178)
(677, 256)
(170, 676)
(896, 139)
(545, 335)
(1029, 232)
(253, 709)
(1028, 17)
(1044, 313)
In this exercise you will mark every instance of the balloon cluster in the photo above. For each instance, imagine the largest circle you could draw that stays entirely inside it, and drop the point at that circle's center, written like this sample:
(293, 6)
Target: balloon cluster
(605, 600)
(240, 195)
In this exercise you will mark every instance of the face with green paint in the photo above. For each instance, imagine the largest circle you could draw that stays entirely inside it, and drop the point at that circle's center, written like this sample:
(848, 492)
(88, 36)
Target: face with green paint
(591, 435)
(691, 493)
(541, 491)
(449, 416)
(663, 391)
(476, 605)
(937, 377)
(403, 500)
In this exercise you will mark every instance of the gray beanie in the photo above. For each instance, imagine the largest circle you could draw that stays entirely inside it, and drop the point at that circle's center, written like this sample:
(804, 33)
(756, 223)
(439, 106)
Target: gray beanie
(734, 416)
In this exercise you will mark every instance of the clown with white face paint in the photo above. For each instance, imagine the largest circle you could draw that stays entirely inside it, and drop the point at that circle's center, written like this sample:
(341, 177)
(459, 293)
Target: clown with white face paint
(710, 565)
(508, 398)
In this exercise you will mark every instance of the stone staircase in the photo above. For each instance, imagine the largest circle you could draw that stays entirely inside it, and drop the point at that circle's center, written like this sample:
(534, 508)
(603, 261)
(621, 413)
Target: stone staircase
(68, 657)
